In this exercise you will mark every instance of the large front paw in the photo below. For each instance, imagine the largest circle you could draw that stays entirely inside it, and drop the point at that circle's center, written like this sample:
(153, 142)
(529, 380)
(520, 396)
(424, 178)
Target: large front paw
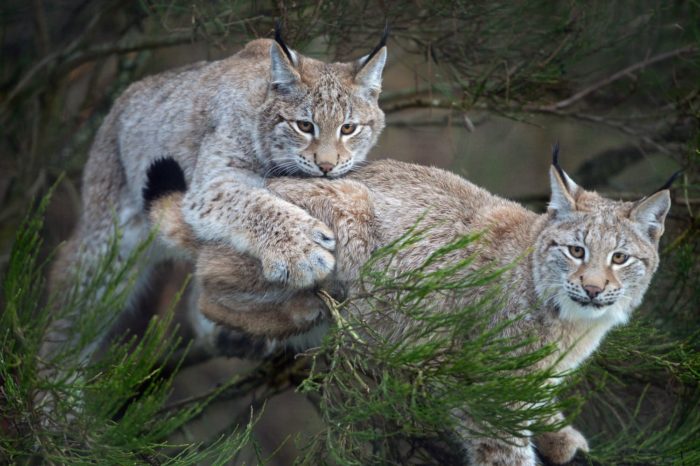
(298, 253)
(560, 447)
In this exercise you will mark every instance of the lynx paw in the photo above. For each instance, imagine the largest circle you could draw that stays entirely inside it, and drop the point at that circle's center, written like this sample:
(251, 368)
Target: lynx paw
(300, 253)
(560, 447)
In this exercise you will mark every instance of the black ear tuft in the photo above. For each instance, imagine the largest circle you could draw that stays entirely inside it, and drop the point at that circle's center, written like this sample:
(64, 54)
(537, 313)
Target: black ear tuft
(280, 41)
(555, 160)
(669, 183)
(164, 176)
(382, 43)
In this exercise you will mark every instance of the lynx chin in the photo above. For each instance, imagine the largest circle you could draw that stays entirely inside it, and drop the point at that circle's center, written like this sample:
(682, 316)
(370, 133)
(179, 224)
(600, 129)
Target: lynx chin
(577, 271)
(228, 125)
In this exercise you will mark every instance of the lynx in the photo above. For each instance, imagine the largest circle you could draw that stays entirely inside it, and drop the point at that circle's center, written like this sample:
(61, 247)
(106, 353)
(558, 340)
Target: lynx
(591, 262)
(230, 125)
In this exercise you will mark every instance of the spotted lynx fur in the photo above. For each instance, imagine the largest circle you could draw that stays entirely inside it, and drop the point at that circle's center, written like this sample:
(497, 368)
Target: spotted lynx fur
(230, 125)
(588, 262)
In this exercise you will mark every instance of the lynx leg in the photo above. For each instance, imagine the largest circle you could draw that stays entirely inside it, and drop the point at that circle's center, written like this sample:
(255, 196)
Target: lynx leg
(345, 206)
(106, 203)
(483, 451)
(253, 330)
(561, 446)
(232, 290)
(492, 452)
(234, 293)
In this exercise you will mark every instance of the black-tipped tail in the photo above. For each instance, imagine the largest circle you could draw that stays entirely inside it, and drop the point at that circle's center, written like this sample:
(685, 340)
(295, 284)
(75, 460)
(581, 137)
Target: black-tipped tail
(164, 176)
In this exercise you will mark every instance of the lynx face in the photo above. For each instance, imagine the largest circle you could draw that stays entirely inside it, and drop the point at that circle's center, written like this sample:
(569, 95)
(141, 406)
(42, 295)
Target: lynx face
(320, 119)
(595, 258)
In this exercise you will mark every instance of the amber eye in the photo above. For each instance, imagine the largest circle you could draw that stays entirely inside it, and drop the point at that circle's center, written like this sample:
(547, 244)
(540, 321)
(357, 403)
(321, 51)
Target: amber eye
(348, 128)
(577, 251)
(305, 126)
(619, 258)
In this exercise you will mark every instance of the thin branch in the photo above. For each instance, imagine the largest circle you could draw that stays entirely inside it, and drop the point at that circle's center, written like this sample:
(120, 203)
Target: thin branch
(42, 29)
(621, 74)
(600, 120)
(52, 57)
(421, 102)
(126, 46)
(464, 122)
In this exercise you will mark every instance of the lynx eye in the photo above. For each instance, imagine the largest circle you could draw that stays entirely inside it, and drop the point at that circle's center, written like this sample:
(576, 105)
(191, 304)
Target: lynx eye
(619, 258)
(348, 128)
(577, 252)
(305, 126)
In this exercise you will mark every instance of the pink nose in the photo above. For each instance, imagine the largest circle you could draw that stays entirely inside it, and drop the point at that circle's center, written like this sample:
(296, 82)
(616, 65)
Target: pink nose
(592, 291)
(326, 167)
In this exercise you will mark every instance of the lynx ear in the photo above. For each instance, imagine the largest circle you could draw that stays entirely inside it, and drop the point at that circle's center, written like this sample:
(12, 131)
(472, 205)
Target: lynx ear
(284, 61)
(371, 66)
(564, 190)
(369, 77)
(650, 213)
(283, 73)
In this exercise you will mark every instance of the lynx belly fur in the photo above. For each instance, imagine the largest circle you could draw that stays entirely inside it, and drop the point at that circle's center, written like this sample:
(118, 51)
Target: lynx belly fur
(588, 262)
(229, 125)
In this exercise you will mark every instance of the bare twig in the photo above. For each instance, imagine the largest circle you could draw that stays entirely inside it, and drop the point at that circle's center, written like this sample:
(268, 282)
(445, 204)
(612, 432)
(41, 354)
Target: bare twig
(42, 29)
(421, 102)
(126, 46)
(621, 74)
(51, 58)
(602, 121)
(465, 122)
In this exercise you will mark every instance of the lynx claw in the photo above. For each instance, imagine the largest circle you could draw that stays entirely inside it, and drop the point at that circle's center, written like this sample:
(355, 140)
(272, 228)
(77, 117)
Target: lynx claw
(301, 253)
(300, 274)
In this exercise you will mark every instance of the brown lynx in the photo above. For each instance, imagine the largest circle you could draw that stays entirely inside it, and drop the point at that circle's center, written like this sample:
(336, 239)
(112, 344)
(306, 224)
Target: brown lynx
(230, 124)
(590, 264)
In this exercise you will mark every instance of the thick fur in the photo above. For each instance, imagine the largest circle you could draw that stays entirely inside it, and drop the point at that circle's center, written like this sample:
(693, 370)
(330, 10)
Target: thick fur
(547, 284)
(229, 125)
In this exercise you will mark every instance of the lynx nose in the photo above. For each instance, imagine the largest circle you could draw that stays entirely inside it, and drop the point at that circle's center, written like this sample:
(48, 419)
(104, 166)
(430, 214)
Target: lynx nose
(325, 167)
(592, 291)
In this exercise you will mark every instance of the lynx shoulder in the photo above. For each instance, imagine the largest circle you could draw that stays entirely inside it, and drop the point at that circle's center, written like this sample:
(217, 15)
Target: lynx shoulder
(589, 261)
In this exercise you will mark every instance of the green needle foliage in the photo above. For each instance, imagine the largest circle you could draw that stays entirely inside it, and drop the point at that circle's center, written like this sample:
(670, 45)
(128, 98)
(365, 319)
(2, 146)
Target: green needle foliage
(402, 369)
(71, 411)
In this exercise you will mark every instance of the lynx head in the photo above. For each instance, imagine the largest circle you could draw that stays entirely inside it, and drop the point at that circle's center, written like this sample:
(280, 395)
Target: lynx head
(320, 119)
(595, 257)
